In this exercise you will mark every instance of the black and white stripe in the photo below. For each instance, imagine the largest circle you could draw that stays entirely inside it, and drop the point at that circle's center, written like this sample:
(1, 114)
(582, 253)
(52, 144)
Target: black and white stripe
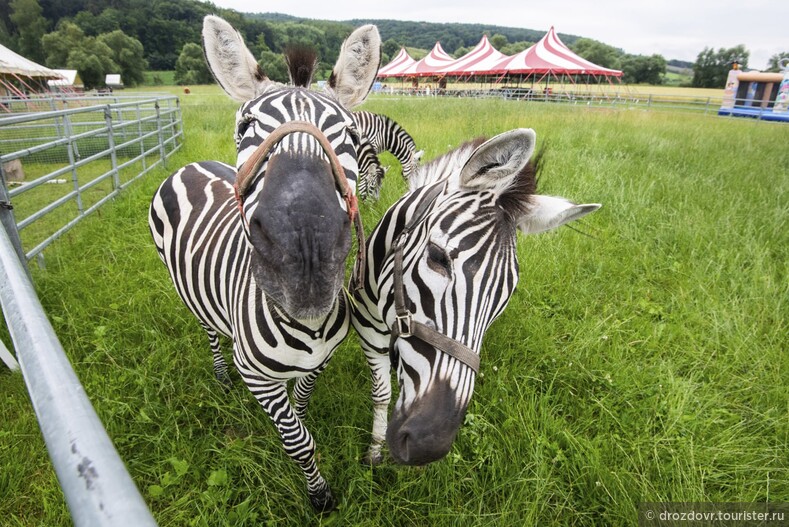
(221, 257)
(385, 135)
(371, 173)
(199, 234)
(460, 269)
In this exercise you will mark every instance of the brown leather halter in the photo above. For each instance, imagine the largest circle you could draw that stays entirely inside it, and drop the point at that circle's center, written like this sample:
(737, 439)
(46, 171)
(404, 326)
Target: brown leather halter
(246, 174)
(405, 326)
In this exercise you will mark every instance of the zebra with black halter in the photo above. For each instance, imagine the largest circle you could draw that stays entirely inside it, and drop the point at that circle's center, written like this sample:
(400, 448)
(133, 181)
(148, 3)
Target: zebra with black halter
(259, 255)
(442, 265)
(385, 135)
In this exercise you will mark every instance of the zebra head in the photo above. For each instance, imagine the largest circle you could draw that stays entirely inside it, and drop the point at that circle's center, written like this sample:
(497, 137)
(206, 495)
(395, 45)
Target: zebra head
(459, 270)
(297, 208)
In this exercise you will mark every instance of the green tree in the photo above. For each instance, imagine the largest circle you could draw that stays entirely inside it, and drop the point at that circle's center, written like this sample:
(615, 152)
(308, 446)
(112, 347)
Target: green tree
(190, 68)
(516, 47)
(642, 69)
(68, 47)
(93, 61)
(128, 54)
(274, 66)
(774, 62)
(6, 39)
(31, 26)
(711, 67)
(598, 53)
(57, 45)
(107, 21)
(390, 48)
(498, 41)
(459, 52)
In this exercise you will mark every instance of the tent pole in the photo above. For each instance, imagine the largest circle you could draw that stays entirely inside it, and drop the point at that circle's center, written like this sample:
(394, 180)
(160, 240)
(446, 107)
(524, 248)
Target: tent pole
(26, 85)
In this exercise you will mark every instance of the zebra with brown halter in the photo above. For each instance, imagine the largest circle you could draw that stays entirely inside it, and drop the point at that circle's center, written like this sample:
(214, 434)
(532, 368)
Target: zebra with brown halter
(442, 266)
(259, 255)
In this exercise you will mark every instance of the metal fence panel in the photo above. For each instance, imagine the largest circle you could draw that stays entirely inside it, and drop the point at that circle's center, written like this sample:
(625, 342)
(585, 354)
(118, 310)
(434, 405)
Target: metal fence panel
(62, 163)
(97, 487)
(94, 152)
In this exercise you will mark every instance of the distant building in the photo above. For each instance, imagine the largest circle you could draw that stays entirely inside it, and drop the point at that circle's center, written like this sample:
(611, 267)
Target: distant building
(113, 81)
(70, 82)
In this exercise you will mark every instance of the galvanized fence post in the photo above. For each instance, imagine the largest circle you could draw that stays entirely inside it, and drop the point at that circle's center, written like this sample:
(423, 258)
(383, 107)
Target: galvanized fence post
(116, 179)
(159, 134)
(73, 153)
(9, 222)
(97, 487)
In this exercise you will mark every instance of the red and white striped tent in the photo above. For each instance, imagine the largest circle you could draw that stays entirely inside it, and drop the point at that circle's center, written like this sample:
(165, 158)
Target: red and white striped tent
(551, 56)
(481, 60)
(431, 64)
(398, 65)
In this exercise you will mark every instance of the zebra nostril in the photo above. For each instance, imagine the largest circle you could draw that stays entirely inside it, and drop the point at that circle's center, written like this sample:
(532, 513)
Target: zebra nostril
(402, 445)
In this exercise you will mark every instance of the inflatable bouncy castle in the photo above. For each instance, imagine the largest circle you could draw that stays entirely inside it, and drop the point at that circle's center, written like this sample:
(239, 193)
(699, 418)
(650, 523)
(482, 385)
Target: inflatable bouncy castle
(756, 94)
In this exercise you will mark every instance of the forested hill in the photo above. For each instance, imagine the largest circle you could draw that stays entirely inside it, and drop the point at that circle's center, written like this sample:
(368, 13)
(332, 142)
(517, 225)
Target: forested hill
(164, 26)
(425, 34)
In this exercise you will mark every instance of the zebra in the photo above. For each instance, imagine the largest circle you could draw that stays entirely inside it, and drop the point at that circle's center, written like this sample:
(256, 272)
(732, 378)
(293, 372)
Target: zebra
(384, 134)
(257, 252)
(371, 173)
(442, 265)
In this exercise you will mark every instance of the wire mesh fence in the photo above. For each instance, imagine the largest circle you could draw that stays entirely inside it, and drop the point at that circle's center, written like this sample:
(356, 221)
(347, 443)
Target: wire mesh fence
(60, 165)
(622, 99)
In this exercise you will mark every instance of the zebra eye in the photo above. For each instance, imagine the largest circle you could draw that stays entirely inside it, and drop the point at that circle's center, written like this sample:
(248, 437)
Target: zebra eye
(438, 259)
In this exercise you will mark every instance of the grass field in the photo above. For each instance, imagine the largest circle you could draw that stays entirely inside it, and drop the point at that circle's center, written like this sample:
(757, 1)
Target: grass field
(646, 361)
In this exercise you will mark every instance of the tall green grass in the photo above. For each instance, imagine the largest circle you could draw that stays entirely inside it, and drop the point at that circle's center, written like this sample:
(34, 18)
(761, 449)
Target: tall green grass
(642, 359)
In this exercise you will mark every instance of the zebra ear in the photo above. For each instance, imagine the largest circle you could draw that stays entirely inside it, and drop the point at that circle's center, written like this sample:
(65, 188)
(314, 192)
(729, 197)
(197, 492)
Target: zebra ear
(355, 70)
(230, 62)
(496, 163)
(548, 212)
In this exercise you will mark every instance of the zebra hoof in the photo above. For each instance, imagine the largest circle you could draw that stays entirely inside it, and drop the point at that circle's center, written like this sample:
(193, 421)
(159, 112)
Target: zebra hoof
(373, 458)
(225, 380)
(323, 501)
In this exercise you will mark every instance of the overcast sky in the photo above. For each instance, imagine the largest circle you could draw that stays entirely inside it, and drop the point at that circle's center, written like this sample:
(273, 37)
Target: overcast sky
(676, 29)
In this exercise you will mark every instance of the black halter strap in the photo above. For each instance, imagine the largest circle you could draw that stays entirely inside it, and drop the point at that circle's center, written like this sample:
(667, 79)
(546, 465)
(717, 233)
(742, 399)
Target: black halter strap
(405, 326)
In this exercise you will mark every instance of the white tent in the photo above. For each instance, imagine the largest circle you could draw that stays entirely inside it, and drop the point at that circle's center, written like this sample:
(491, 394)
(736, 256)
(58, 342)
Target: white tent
(70, 79)
(19, 75)
(113, 80)
(12, 63)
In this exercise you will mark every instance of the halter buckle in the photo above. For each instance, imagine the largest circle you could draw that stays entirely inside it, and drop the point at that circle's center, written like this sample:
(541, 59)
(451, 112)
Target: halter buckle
(403, 323)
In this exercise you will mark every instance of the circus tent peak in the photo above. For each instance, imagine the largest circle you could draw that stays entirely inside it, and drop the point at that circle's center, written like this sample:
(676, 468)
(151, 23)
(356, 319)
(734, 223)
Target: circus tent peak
(398, 65)
(431, 64)
(479, 61)
(551, 55)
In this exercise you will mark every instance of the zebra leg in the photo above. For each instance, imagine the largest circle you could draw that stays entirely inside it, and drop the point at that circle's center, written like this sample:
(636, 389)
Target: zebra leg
(220, 366)
(380, 369)
(302, 391)
(296, 439)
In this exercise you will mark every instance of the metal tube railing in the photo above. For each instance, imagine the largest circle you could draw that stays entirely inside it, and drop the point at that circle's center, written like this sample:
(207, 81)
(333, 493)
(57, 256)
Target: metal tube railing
(101, 147)
(96, 485)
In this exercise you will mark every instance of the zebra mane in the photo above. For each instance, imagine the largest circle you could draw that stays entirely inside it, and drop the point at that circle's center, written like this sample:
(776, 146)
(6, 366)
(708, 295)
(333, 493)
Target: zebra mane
(445, 166)
(302, 62)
